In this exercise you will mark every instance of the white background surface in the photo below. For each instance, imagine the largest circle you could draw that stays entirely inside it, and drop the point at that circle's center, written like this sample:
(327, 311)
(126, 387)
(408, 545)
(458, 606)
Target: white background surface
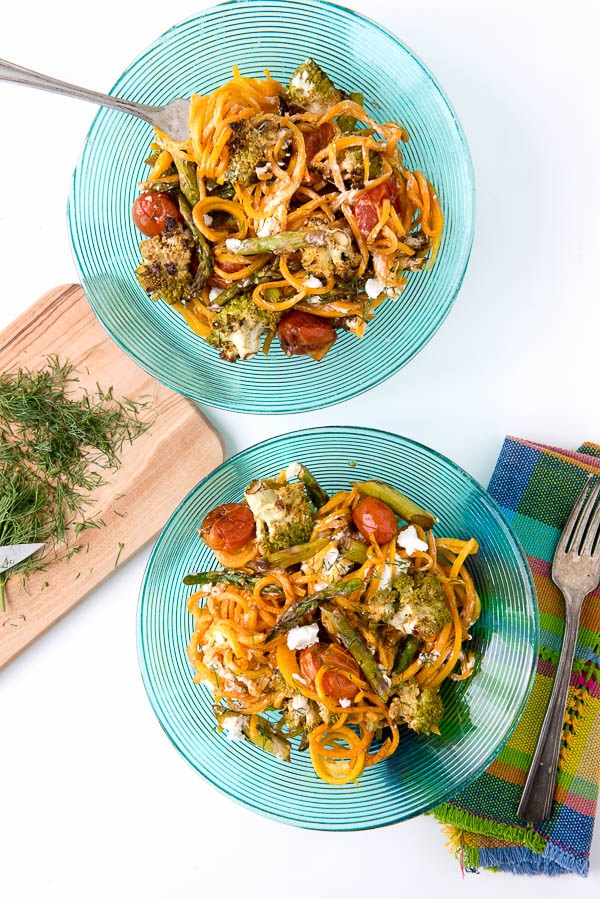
(94, 801)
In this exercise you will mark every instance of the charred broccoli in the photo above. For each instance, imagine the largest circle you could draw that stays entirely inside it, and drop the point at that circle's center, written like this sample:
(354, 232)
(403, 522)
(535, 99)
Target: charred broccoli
(248, 149)
(282, 513)
(329, 251)
(352, 169)
(413, 603)
(311, 89)
(301, 712)
(238, 328)
(422, 710)
(166, 272)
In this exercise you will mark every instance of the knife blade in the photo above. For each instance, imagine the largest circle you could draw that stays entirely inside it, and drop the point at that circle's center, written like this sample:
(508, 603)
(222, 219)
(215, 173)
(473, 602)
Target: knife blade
(12, 555)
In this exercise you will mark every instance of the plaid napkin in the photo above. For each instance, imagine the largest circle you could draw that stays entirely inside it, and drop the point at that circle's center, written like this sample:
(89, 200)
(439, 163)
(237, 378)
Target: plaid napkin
(536, 487)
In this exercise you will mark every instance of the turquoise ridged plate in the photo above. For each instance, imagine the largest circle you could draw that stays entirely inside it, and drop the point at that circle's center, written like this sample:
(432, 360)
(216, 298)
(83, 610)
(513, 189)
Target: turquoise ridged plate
(196, 56)
(481, 712)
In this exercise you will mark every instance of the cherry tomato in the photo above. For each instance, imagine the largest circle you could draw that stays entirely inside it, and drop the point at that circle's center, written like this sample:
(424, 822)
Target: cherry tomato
(374, 517)
(317, 139)
(228, 267)
(303, 334)
(228, 527)
(151, 210)
(368, 204)
(337, 660)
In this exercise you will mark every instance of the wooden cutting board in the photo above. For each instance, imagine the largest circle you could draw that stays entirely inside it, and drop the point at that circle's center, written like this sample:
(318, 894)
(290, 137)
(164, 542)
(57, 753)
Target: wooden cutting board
(157, 470)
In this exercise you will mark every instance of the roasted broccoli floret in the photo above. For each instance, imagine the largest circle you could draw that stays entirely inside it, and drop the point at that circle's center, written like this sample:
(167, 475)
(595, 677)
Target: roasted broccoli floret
(422, 710)
(238, 328)
(329, 251)
(166, 272)
(311, 89)
(413, 603)
(282, 513)
(350, 161)
(248, 149)
(301, 712)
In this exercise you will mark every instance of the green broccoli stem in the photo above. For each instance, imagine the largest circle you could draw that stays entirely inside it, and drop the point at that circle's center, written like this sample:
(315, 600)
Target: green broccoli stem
(406, 654)
(294, 614)
(356, 646)
(314, 491)
(401, 504)
(284, 558)
(284, 242)
(237, 578)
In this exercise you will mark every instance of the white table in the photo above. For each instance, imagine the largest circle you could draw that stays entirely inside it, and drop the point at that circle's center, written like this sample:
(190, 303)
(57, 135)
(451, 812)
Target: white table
(94, 801)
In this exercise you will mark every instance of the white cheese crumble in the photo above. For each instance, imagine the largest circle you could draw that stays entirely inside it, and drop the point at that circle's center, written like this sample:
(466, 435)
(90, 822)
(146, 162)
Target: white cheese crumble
(313, 281)
(293, 470)
(233, 726)
(373, 288)
(266, 227)
(300, 703)
(301, 637)
(409, 540)
(262, 169)
(214, 292)
(233, 243)
(207, 219)
(345, 702)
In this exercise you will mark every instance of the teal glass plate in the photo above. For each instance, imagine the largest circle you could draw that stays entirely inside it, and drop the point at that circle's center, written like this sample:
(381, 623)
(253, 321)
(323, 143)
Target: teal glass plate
(196, 56)
(481, 712)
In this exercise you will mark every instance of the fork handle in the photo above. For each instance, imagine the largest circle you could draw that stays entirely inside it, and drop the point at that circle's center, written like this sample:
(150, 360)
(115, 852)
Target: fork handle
(536, 801)
(18, 75)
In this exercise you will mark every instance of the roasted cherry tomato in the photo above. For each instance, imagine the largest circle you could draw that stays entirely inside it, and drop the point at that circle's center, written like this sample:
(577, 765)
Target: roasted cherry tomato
(151, 210)
(303, 334)
(228, 527)
(374, 517)
(337, 660)
(368, 204)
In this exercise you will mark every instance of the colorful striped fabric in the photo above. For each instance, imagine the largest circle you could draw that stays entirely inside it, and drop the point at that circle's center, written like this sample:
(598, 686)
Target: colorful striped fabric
(536, 487)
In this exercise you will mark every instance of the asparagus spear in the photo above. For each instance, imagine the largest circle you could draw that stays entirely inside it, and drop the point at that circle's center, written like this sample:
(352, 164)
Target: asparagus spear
(205, 258)
(296, 612)
(358, 648)
(237, 578)
(188, 181)
(284, 242)
(406, 654)
(314, 491)
(293, 554)
(402, 505)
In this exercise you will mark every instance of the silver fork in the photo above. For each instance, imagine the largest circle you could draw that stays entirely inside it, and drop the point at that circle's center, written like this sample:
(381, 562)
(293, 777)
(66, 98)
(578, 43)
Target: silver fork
(576, 572)
(172, 118)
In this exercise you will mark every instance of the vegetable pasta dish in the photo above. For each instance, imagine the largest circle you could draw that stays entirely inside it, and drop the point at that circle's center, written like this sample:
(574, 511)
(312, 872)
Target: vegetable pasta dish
(288, 212)
(334, 619)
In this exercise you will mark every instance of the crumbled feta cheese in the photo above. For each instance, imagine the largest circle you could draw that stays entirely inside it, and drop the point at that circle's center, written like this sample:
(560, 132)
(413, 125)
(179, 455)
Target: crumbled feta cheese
(214, 292)
(301, 637)
(409, 540)
(345, 702)
(233, 725)
(293, 470)
(330, 558)
(233, 243)
(299, 703)
(299, 679)
(262, 169)
(267, 226)
(373, 288)
(207, 219)
(313, 281)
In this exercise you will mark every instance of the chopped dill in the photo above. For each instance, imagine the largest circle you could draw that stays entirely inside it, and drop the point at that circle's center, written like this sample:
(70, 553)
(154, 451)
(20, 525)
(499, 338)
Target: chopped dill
(57, 440)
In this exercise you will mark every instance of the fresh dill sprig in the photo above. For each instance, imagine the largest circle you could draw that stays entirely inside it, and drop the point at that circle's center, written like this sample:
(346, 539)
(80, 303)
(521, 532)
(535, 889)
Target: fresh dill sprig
(56, 442)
